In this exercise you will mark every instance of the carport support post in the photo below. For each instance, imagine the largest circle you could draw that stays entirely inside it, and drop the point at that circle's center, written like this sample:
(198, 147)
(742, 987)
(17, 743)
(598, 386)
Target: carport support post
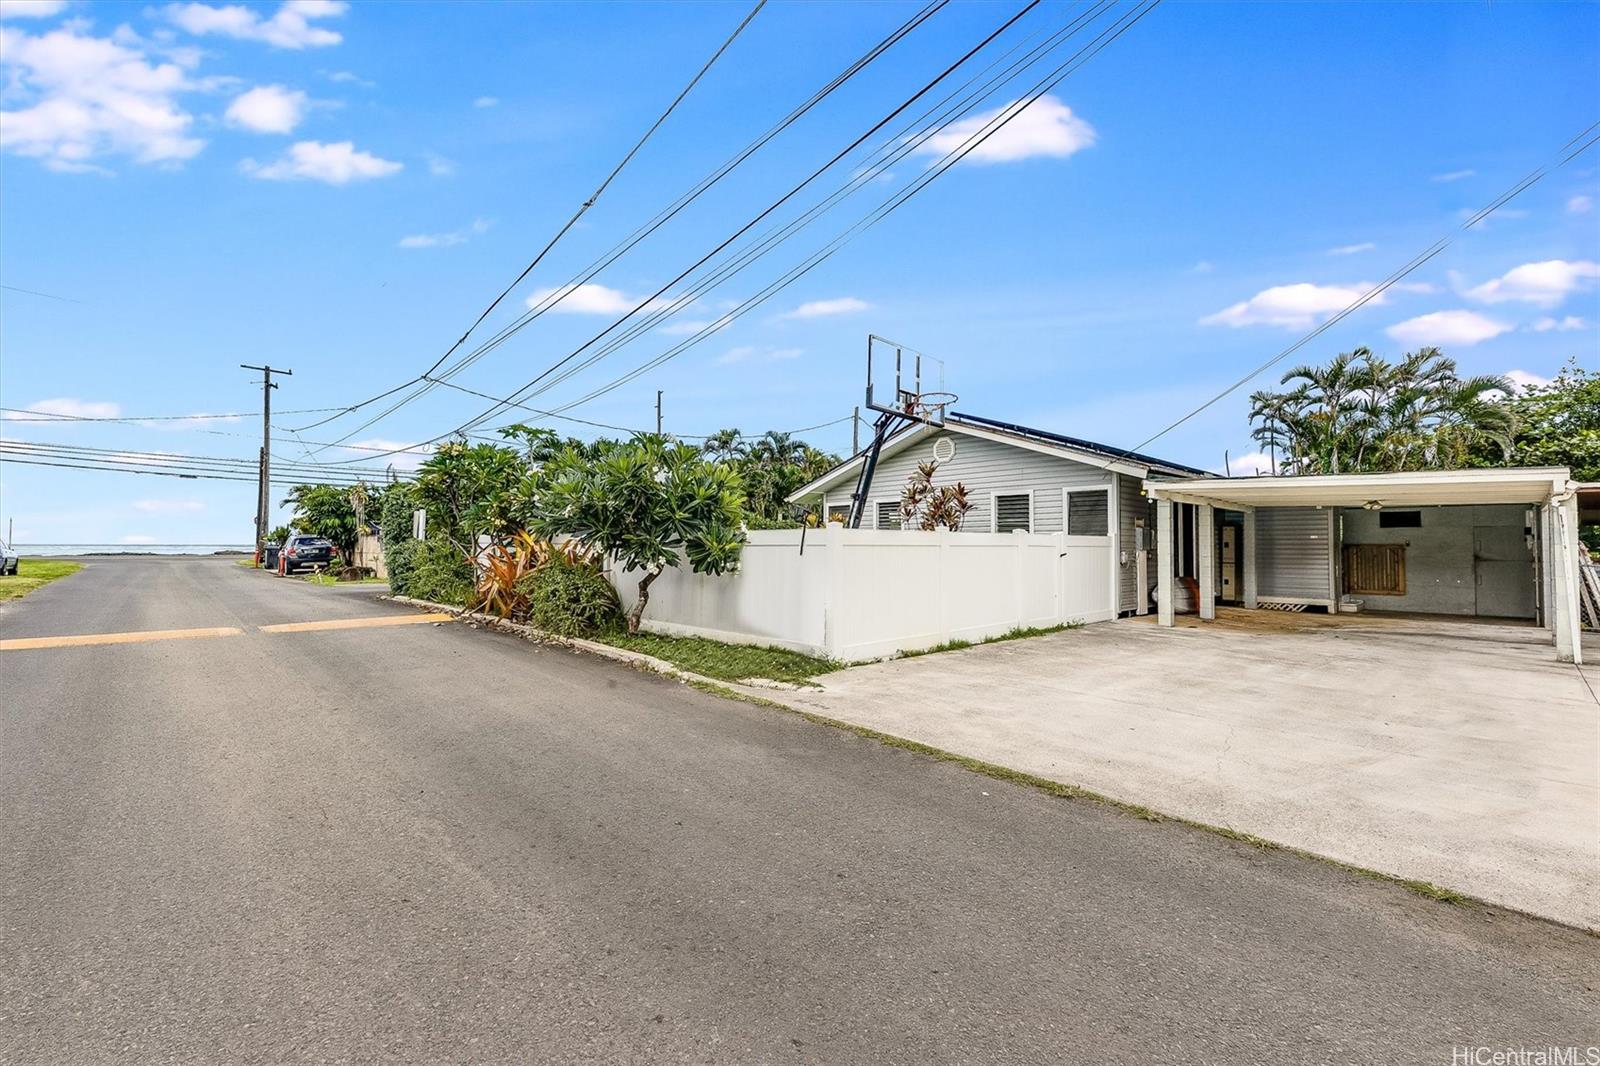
(1164, 561)
(1206, 559)
(1569, 647)
(1247, 560)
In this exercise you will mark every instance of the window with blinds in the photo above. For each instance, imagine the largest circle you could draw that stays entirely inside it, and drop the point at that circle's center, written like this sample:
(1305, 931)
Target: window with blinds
(1013, 512)
(1087, 514)
(888, 514)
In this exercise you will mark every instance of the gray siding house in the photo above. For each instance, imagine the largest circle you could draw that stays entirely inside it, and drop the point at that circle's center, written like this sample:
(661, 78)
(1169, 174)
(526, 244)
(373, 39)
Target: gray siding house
(1017, 478)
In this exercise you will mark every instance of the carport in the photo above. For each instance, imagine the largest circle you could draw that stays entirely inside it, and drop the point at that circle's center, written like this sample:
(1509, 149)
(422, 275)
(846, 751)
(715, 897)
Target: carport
(1484, 543)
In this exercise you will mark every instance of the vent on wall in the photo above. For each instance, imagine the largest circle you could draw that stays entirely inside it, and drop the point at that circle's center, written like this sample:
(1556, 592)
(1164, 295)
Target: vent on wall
(1013, 512)
(888, 514)
(944, 450)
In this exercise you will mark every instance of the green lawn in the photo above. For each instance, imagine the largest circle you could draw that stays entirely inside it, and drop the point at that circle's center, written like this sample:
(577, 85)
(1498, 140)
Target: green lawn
(727, 662)
(322, 577)
(31, 573)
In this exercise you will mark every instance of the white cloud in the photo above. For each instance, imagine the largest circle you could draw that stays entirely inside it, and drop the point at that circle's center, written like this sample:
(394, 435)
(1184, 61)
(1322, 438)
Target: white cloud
(1543, 284)
(168, 506)
(684, 329)
(1565, 324)
(350, 77)
(268, 109)
(74, 408)
(1047, 127)
(591, 299)
(138, 538)
(447, 240)
(1580, 205)
(337, 164)
(1352, 249)
(1445, 328)
(1205, 266)
(31, 9)
(1247, 465)
(289, 27)
(486, 101)
(440, 167)
(735, 355)
(83, 97)
(1455, 175)
(843, 305)
(405, 457)
(1521, 380)
(1290, 306)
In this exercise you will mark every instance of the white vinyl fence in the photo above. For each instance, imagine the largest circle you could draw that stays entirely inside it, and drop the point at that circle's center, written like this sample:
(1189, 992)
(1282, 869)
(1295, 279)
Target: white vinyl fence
(863, 594)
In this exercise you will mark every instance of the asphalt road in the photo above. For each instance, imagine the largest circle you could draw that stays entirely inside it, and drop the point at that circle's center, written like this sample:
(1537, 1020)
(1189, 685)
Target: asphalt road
(433, 844)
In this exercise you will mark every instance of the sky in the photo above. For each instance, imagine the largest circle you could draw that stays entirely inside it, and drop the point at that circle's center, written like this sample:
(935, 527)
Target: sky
(341, 189)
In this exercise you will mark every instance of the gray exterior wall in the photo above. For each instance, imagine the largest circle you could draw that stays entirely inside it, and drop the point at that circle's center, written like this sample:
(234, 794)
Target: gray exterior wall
(1131, 505)
(1462, 560)
(1295, 552)
(985, 467)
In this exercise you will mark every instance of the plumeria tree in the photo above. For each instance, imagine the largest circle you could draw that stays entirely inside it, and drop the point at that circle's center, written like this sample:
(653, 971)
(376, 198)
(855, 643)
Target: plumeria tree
(649, 503)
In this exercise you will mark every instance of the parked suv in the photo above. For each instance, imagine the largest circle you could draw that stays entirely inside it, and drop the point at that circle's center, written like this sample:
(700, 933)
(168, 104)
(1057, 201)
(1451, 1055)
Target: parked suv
(9, 559)
(301, 552)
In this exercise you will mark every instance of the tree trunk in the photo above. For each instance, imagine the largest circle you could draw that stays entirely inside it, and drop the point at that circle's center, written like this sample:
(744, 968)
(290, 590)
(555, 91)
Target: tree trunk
(644, 597)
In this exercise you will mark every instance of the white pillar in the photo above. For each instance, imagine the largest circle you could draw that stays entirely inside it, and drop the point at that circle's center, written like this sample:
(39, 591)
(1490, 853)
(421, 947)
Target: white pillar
(1205, 559)
(1247, 559)
(1569, 638)
(1164, 562)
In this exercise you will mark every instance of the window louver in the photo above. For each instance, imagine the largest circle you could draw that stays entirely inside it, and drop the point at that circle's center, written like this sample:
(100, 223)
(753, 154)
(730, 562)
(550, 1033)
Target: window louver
(1086, 514)
(1012, 513)
(889, 514)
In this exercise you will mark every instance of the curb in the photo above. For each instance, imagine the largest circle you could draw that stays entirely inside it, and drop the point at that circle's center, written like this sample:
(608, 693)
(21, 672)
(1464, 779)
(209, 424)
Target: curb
(1050, 786)
(636, 659)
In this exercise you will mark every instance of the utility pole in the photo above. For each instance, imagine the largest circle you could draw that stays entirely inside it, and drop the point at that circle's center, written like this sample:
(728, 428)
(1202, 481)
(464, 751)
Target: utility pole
(855, 431)
(264, 487)
(658, 412)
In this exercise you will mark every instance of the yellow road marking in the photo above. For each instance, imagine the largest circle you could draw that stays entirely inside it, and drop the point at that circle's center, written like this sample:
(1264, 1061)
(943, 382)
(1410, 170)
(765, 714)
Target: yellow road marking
(358, 623)
(26, 643)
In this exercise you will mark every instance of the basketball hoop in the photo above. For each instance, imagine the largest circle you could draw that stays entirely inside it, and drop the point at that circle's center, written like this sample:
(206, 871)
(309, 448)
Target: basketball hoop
(928, 406)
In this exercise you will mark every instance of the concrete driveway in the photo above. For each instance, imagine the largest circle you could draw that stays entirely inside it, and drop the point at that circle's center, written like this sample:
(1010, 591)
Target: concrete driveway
(1457, 753)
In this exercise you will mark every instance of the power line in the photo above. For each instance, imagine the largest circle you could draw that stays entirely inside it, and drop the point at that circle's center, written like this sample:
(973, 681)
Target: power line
(46, 295)
(187, 475)
(891, 204)
(53, 416)
(1416, 261)
(584, 207)
(178, 458)
(478, 420)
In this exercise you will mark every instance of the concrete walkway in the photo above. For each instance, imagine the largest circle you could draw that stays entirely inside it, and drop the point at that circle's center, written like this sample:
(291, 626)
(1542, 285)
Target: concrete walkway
(1456, 753)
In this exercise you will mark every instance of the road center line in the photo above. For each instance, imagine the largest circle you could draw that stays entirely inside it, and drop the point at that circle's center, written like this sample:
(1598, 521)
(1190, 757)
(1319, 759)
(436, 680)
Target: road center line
(358, 623)
(28, 643)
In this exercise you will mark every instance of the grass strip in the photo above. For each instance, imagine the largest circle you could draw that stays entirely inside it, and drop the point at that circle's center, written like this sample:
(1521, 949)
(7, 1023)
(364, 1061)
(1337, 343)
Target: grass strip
(34, 573)
(729, 662)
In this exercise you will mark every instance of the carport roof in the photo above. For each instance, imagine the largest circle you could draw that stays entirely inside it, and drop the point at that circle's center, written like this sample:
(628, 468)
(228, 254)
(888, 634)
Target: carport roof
(1412, 489)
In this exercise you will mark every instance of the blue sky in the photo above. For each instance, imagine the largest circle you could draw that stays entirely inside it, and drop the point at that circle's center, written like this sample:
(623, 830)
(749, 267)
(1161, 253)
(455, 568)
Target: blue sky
(341, 189)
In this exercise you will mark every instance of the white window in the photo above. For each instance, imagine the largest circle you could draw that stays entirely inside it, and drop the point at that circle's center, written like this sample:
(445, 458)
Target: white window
(888, 514)
(1088, 512)
(1013, 511)
(838, 513)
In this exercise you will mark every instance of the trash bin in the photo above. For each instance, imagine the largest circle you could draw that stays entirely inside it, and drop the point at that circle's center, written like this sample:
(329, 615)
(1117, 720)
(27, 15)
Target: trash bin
(270, 560)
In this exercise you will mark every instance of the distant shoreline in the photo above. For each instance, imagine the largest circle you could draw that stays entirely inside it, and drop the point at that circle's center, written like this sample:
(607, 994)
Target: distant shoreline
(100, 550)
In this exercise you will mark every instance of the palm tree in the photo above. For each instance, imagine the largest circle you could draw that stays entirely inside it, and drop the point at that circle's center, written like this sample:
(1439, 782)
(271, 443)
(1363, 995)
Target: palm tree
(726, 445)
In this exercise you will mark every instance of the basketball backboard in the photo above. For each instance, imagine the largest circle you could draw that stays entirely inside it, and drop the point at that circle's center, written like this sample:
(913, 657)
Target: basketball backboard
(902, 381)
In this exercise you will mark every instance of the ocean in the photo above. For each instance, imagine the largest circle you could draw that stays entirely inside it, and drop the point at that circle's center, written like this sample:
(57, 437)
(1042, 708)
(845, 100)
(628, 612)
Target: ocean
(132, 549)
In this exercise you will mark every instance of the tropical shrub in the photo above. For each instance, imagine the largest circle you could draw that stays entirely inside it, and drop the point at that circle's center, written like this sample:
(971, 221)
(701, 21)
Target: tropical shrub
(648, 504)
(926, 507)
(394, 515)
(432, 569)
(570, 597)
(503, 568)
(466, 489)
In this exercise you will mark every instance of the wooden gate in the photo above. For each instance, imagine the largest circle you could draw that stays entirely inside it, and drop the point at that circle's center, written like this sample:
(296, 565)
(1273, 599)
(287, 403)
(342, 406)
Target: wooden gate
(1375, 569)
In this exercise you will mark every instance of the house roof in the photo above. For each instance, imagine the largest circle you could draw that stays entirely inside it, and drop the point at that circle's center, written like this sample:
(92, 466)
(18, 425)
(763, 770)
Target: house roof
(1088, 452)
(1422, 488)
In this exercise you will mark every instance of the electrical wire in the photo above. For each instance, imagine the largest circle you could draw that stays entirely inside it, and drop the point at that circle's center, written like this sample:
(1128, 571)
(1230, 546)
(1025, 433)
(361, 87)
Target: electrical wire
(993, 125)
(276, 479)
(53, 416)
(573, 221)
(907, 103)
(1416, 261)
